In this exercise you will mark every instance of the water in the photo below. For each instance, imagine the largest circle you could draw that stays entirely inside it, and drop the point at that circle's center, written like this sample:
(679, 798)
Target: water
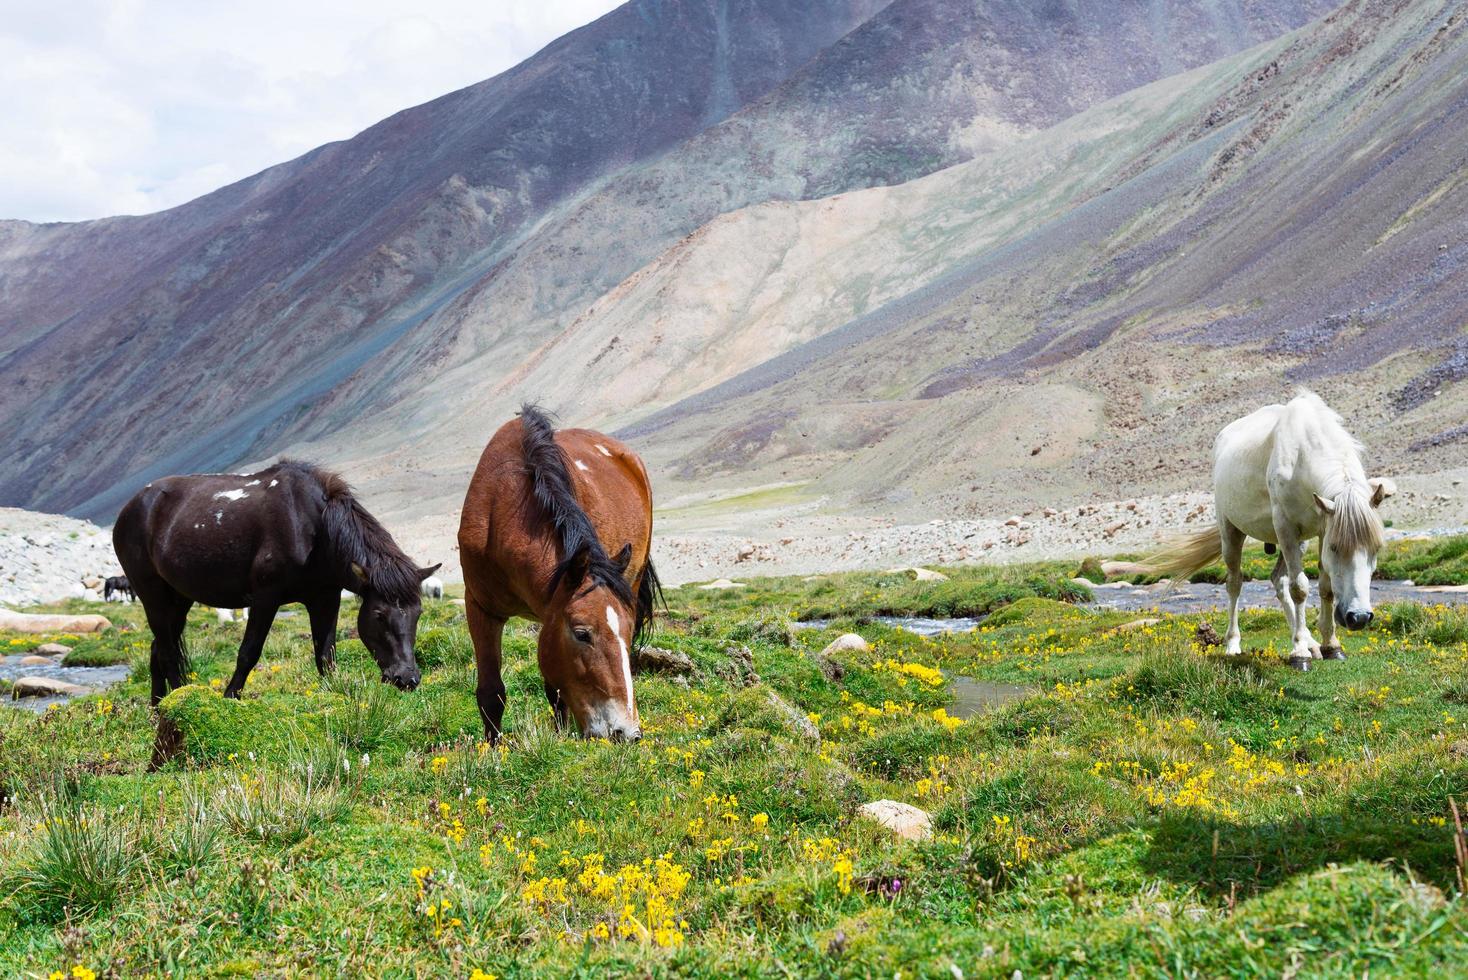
(1195, 598)
(972, 696)
(913, 624)
(94, 679)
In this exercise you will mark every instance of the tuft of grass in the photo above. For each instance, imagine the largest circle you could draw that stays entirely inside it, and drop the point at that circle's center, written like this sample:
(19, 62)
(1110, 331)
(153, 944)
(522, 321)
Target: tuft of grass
(80, 862)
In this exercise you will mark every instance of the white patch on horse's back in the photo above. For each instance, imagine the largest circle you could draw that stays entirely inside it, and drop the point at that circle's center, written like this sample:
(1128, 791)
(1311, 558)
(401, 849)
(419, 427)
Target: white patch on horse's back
(615, 622)
(582, 467)
(231, 494)
(603, 450)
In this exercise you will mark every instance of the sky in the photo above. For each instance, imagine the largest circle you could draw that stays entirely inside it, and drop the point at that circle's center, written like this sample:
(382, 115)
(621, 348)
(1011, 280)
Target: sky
(132, 106)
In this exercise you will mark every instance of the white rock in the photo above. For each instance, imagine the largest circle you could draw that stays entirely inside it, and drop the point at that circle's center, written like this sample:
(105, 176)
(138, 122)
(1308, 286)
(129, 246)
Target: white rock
(903, 819)
(846, 641)
(52, 649)
(722, 583)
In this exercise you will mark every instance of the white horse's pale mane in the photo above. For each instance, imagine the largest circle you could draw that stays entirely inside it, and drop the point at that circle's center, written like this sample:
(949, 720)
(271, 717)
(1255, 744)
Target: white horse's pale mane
(1353, 524)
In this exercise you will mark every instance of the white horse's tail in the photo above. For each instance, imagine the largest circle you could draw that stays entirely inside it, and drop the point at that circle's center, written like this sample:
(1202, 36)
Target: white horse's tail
(1186, 554)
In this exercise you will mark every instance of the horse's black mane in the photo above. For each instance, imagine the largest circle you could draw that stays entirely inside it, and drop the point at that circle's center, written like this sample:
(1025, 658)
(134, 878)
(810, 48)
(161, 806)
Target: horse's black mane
(551, 483)
(356, 538)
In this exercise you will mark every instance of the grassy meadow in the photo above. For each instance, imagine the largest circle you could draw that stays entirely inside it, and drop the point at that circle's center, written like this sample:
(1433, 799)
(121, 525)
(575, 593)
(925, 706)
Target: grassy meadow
(1151, 808)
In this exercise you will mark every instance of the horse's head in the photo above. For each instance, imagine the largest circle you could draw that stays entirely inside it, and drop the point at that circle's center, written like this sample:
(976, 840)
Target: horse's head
(388, 627)
(585, 645)
(1353, 535)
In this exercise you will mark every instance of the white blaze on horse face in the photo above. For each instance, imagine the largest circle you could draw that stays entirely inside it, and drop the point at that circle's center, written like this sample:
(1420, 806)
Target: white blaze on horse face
(231, 494)
(615, 622)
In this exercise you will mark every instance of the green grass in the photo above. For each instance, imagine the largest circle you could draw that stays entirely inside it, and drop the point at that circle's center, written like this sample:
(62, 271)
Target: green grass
(1153, 808)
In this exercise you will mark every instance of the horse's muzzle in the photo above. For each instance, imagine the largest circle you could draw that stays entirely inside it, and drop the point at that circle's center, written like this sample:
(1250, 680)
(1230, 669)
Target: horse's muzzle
(1354, 619)
(401, 679)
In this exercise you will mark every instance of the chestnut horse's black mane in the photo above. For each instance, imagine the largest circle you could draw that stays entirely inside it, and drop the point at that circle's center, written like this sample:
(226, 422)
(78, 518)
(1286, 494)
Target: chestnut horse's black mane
(582, 555)
(356, 538)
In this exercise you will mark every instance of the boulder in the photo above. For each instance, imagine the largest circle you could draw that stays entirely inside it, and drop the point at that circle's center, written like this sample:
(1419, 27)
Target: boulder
(43, 623)
(92, 582)
(846, 641)
(919, 574)
(903, 819)
(52, 649)
(722, 583)
(36, 660)
(656, 660)
(1137, 624)
(45, 687)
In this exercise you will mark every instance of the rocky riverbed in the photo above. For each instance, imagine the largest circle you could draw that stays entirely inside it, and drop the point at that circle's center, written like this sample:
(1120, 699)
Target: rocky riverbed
(47, 557)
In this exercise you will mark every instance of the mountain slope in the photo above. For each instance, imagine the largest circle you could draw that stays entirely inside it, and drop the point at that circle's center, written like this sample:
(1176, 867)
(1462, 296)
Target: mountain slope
(1287, 216)
(344, 302)
(267, 293)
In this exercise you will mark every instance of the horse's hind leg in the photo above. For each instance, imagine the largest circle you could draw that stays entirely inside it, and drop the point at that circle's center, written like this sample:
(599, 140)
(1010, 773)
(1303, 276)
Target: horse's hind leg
(256, 629)
(1233, 555)
(487, 633)
(167, 612)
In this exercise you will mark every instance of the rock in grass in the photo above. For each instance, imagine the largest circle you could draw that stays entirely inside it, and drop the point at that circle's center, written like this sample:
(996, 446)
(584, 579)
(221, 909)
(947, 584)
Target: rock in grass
(903, 819)
(45, 687)
(919, 574)
(656, 660)
(722, 583)
(1114, 569)
(52, 650)
(40, 623)
(1137, 624)
(845, 642)
(762, 709)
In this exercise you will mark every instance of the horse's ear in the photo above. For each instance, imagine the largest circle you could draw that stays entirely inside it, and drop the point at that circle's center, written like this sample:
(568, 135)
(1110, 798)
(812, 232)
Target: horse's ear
(423, 573)
(624, 558)
(577, 566)
(1381, 488)
(1323, 505)
(360, 572)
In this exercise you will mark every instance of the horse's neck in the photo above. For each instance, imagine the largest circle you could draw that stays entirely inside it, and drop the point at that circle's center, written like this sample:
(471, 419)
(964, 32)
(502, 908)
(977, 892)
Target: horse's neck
(1327, 461)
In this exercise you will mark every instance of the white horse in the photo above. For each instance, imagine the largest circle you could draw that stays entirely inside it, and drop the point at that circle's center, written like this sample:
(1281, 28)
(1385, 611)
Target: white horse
(432, 587)
(1283, 475)
(227, 615)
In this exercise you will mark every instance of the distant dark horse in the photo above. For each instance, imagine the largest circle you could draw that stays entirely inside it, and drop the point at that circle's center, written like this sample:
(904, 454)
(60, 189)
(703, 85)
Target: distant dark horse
(117, 585)
(291, 533)
(545, 511)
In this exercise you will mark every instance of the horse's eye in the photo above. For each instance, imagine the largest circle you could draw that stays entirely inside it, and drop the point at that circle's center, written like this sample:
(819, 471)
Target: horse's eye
(582, 634)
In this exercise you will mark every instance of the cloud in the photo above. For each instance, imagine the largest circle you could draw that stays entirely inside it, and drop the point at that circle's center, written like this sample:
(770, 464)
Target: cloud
(133, 106)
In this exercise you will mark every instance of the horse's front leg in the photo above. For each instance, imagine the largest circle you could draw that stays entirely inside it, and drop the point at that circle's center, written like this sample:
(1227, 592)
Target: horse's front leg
(487, 632)
(1292, 588)
(323, 612)
(1330, 645)
(256, 629)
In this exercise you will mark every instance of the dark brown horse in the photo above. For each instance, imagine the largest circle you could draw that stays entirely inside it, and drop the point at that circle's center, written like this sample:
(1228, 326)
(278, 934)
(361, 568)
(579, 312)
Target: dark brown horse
(544, 515)
(291, 533)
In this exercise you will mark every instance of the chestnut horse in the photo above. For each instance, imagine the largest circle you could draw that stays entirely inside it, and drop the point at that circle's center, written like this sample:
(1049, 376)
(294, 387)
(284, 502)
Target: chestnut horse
(544, 515)
(290, 533)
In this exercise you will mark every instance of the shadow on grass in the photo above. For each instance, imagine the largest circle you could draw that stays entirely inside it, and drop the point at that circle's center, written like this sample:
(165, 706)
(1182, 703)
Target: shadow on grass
(1374, 822)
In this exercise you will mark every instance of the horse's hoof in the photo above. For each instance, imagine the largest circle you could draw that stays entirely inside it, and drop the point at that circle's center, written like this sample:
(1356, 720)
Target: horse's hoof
(1332, 653)
(1300, 663)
